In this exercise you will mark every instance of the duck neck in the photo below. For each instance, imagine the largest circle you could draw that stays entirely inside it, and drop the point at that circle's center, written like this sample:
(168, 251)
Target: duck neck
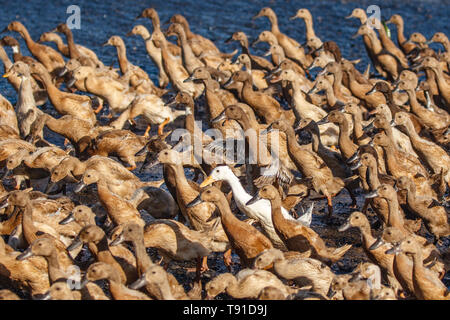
(236, 186)
(395, 218)
(182, 183)
(309, 27)
(331, 98)
(26, 36)
(411, 195)
(412, 133)
(26, 98)
(227, 217)
(415, 106)
(60, 44)
(190, 118)
(73, 50)
(357, 125)
(187, 29)
(233, 287)
(345, 143)
(122, 56)
(401, 33)
(215, 106)
(54, 271)
(274, 23)
(316, 141)
(372, 176)
(143, 261)
(376, 44)
(366, 234)
(5, 59)
(277, 216)
(52, 90)
(28, 227)
(78, 167)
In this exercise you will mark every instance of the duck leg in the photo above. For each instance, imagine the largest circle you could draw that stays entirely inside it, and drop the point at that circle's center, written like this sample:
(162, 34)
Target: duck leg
(227, 259)
(352, 196)
(99, 108)
(162, 125)
(147, 130)
(330, 206)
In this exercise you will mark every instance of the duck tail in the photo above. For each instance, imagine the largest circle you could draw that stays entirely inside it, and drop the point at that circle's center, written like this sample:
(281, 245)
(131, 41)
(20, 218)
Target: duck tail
(339, 252)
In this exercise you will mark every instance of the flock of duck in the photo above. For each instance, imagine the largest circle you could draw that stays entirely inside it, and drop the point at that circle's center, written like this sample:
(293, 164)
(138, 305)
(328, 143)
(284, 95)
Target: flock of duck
(384, 132)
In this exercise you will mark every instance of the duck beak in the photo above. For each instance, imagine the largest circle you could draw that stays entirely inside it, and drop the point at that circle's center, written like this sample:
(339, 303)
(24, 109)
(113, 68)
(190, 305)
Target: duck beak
(331, 293)
(207, 182)
(5, 173)
(256, 16)
(392, 123)
(50, 186)
(356, 165)
(191, 78)
(344, 227)
(393, 250)
(293, 17)
(349, 17)
(84, 282)
(45, 296)
(6, 75)
(353, 157)
(139, 283)
(71, 82)
(369, 127)
(228, 83)
(372, 194)
(313, 90)
(80, 186)
(194, 202)
(266, 130)
(255, 42)
(312, 66)
(377, 244)
(229, 39)
(4, 204)
(324, 120)
(75, 244)
(63, 72)
(5, 30)
(220, 117)
(356, 35)
(255, 198)
(268, 53)
(118, 240)
(67, 219)
(25, 255)
(374, 89)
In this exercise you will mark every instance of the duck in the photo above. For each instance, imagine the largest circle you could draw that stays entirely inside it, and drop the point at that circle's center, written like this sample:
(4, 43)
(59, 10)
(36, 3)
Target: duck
(200, 217)
(304, 109)
(434, 216)
(304, 271)
(296, 236)
(427, 286)
(310, 164)
(6, 294)
(257, 63)
(158, 277)
(173, 240)
(48, 56)
(153, 52)
(190, 61)
(245, 239)
(259, 210)
(64, 102)
(292, 48)
(429, 152)
(30, 274)
(378, 256)
(27, 112)
(39, 93)
(119, 210)
(64, 48)
(97, 241)
(246, 284)
(61, 291)
(174, 69)
(403, 43)
(154, 111)
(85, 56)
(101, 270)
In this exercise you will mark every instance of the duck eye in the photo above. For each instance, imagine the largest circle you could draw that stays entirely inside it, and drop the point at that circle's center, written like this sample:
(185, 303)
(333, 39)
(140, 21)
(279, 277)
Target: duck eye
(58, 289)
(209, 191)
(357, 217)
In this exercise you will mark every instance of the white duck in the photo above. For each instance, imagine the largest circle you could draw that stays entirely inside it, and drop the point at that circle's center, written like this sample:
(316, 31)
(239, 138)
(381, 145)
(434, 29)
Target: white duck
(260, 210)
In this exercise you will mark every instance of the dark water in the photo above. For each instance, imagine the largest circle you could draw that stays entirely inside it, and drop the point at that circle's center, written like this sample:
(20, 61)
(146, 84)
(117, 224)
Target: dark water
(217, 20)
